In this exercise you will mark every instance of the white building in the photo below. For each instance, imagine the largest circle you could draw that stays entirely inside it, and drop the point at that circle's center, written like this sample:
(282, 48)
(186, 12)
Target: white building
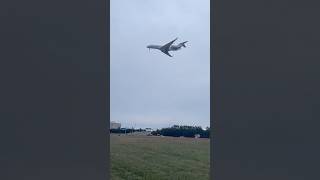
(115, 125)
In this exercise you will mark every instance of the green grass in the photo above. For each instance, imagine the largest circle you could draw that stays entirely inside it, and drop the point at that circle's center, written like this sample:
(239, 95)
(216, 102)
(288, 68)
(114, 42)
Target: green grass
(159, 158)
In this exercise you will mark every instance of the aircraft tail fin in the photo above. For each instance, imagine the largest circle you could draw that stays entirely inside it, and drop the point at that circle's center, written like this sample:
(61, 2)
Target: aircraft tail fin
(183, 44)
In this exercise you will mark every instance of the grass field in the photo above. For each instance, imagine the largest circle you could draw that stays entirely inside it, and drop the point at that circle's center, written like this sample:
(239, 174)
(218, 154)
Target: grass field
(159, 158)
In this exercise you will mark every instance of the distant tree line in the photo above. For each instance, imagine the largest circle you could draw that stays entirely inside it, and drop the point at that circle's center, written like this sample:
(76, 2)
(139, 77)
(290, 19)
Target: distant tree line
(185, 131)
(125, 130)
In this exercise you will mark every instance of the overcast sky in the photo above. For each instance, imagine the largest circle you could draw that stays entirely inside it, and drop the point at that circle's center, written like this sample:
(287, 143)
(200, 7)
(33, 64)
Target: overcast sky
(149, 88)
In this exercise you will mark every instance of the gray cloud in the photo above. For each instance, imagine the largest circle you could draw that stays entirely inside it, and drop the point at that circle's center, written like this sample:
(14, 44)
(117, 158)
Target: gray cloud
(150, 89)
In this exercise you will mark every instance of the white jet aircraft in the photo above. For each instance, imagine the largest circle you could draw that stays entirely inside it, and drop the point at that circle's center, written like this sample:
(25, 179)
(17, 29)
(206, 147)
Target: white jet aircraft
(168, 47)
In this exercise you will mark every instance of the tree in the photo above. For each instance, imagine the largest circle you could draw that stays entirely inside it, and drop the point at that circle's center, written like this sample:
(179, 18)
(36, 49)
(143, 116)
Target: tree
(185, 131)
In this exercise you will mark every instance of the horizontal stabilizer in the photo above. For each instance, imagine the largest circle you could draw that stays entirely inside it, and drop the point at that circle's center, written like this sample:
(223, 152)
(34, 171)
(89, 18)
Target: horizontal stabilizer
(183, 43)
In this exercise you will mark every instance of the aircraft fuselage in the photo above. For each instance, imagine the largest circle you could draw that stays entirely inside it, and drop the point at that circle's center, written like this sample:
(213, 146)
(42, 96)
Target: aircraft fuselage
(171, 48)
(154, 46)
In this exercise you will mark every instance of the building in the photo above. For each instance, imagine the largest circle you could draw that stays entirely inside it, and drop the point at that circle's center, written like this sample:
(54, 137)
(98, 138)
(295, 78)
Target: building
(115, 125)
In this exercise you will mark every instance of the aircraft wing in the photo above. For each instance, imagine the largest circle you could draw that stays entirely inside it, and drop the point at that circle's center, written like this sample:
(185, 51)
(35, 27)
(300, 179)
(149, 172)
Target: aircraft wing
(167, 53)
(165, 48)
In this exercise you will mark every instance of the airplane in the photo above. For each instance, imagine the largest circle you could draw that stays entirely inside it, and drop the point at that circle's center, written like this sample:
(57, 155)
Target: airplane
(168, 47)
